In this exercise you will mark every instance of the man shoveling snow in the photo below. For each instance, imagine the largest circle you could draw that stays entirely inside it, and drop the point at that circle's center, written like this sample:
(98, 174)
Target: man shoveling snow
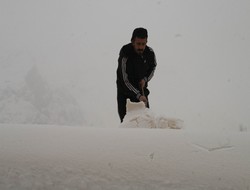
(136, 66)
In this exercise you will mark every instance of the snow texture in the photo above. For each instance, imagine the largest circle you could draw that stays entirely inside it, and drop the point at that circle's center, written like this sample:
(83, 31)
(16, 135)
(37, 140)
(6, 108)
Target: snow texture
(138, 116)
(34, 157)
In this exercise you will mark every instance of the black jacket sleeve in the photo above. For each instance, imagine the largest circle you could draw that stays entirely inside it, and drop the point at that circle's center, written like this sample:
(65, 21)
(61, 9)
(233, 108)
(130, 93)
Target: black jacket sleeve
(127, 86)
(152, 66)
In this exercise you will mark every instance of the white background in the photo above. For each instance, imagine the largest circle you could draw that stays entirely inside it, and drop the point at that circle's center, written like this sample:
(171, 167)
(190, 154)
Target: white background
(202, 50)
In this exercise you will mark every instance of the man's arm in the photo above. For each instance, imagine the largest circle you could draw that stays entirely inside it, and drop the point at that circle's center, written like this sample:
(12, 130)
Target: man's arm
(124, 76)
(152, 66)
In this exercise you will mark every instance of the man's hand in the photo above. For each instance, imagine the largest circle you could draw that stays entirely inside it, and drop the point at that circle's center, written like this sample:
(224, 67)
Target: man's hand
(143, 99)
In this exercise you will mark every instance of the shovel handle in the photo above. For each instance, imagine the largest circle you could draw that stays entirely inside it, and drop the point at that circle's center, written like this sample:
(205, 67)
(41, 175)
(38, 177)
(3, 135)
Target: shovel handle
(142, 90)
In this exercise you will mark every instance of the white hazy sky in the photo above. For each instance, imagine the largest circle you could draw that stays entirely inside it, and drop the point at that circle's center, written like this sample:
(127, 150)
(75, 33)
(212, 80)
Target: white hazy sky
(202, 48)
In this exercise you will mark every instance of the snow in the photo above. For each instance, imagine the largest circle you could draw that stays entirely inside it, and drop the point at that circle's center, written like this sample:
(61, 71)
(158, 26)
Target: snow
(59, 126)
(34, 101)
(138, 116)
(61, 157)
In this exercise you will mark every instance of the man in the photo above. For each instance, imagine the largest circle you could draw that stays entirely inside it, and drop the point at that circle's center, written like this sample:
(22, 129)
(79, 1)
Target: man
(136, 66)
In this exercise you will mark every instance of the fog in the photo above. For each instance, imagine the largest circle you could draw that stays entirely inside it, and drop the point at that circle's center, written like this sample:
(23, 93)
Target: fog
(202, 49)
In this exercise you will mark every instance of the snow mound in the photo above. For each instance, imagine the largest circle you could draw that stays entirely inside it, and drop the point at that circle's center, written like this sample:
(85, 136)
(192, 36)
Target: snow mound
(138, 116)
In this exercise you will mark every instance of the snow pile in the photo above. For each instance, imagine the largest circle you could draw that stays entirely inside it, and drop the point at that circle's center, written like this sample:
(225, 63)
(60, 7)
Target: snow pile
(138, 116)
(33, 101)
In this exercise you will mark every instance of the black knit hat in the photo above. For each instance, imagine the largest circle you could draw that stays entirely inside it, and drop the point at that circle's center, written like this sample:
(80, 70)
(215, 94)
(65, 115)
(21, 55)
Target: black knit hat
(140, 33)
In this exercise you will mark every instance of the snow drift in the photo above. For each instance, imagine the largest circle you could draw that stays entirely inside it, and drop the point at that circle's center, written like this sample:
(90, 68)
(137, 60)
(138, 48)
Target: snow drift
(34, 157)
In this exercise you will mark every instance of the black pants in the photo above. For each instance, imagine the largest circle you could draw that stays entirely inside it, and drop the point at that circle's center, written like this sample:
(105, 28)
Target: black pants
(122, 101)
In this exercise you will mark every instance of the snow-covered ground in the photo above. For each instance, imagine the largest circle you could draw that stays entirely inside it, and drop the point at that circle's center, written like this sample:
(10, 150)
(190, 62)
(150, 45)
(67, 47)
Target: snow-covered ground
(59, 122)
(60, 157)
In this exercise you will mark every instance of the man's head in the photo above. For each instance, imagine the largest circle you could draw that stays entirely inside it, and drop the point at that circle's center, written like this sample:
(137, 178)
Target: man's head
(139, 39)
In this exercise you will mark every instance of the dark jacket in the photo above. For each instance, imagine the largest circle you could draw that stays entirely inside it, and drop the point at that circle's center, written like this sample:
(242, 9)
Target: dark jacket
(132, 68)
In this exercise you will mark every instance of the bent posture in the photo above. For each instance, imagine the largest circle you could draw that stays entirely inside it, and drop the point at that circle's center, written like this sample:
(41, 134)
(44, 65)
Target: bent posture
(136, 66)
